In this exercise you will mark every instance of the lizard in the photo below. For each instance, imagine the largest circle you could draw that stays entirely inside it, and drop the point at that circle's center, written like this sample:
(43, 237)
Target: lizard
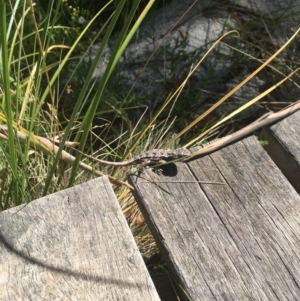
(162, 156)
(155, 156)
(150, 157)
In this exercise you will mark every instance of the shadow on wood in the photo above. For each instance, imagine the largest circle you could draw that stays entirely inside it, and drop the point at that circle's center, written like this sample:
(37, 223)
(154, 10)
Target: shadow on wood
(228, 225)
(74, 244)
(283, 147)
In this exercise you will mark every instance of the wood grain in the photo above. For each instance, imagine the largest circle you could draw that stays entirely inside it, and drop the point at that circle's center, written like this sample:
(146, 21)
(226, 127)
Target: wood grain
(237, 241)
(71, 245)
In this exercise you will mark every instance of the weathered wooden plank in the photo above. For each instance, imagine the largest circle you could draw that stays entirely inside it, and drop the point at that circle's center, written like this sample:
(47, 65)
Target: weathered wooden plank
(71, 245)
(236, 241)
(284, 147)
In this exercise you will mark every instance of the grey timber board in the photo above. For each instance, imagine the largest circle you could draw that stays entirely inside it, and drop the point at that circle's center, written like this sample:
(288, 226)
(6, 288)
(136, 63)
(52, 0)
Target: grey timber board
(236, 241)
(71, 245)
(283, 146)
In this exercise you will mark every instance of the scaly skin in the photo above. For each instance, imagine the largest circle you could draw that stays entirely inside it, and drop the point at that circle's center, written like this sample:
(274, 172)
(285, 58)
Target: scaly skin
(151, 157)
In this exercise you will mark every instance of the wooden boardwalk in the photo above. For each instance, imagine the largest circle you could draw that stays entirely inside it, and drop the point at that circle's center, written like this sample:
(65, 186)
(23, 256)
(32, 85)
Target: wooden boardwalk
(228, 225)
(71, 245)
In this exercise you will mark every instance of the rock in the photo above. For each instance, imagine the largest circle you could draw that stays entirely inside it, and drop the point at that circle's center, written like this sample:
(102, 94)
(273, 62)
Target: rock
(172, 40)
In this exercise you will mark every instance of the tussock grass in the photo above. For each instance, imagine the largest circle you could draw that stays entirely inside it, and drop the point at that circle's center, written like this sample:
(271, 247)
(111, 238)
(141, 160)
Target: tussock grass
(36, 102)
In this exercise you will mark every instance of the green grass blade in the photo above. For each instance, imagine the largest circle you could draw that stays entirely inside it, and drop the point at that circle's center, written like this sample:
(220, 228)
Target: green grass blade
(120, 46)
(6, 105)
(82, 94)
